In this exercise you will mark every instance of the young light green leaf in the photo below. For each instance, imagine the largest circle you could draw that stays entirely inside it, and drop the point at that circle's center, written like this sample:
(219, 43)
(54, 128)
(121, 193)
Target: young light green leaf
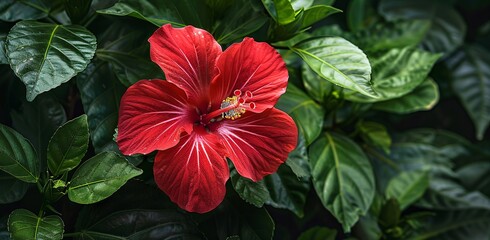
(424, 97)
(470, 73)
(375, 134)
(24, 224)
(342, 176)
(142, 224)
(280, 10)
(408, 187)
(307, 114)
(338, 61)
(68, 146)
(15, 10)
(45, 55)
(160, 12)
(17, 156)
(398, 72)
(99, 177)
(13, 189)
(447, 29)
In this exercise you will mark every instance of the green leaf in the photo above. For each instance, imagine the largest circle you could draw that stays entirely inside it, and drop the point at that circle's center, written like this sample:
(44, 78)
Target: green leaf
(408, 187)
(397, 73)
(45, 55)
(342, 176)
(298, 160)
(68, 146)
(17, 156)
(23, 224)
(357, 14)
(318, 233)
(424, 97)
(37, 121)
(241, 19)
(447, 194)
(375, 134)
(474, 177)
(470, 73)
(255, 193)
(338, 61)
(286, 190)
(15, 10)
(307, 114)
(3, 57)
(160, 12)
(100, 92)
(237, 218)
(447, 28)
(313, 15)
(316, 86)
(99, 177)
(142, 224)
(280, 10)
(13, 189)
(456, 225)
(389, 215)
(301, 4)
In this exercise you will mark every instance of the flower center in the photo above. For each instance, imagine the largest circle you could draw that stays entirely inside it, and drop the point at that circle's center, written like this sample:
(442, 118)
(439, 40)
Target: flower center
(231, 108)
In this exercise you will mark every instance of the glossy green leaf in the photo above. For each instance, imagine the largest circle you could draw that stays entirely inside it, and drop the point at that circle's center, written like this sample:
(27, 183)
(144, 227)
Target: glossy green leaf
(241, 19)
(314, 14)
(301, 4)
(398, 72)
(142, 224)
(316, 86)
(68, 146)
(375, 134)
(446, 194)
(408, 187)
(424, 97)
(298, 160)
(342, 176)
(17, 156)
(24, 224)
(100, 92)
(307, 114)
(45, 55)
(287, 191)
(15, 10)
(447, 30)
(158, 12)
(318, 233)
(456, 225)
(38, 120)
(99, 177)
(280, 10)
(474, 177)
(470, 73)
(338, 61)
(13, 189)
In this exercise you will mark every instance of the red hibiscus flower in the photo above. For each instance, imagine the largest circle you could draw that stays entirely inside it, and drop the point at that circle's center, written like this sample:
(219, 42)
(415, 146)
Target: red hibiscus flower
(214, 105)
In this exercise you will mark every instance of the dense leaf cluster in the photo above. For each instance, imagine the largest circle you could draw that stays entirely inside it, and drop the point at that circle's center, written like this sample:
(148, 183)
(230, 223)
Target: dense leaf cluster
(391, 99)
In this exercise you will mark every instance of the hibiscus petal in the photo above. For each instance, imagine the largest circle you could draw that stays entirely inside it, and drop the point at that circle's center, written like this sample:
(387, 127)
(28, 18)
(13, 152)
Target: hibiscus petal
(258, 143)
(251, 66)
(194, 173)
(152, 116)
(187, 56)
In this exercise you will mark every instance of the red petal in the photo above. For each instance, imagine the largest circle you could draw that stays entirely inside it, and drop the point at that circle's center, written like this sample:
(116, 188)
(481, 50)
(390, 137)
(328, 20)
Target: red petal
(187, 56)
(151, 117)
(251, 66)
(258, 143)
(194, 173)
